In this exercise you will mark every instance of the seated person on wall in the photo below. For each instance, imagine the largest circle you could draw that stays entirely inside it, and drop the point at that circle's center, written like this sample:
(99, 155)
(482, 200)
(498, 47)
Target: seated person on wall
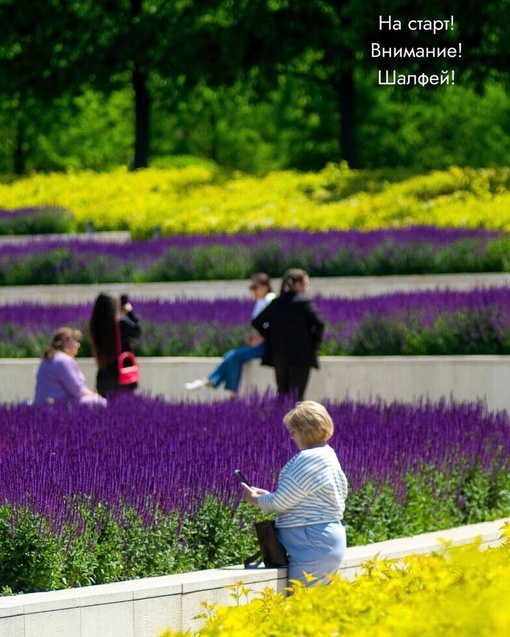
(229, 371)
(59, 378)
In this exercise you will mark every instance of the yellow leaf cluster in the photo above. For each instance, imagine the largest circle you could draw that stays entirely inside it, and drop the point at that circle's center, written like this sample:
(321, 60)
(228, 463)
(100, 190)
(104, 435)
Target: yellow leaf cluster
(460, 591)
(197, 199)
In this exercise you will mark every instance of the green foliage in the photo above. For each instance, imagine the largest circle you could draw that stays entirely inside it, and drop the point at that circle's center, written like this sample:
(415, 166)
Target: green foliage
(183, 161)
(94, 131)
(99, 543)
(215, 342)
(468, 332)
(456, 333)
(371, 515)
(217, 535)
(377, 334)
(253, 86)
(16, 343)
(204, 263)
(30, 559)
(38, 269)
(457, 126)
(465, 332)
(293, 128)
(220, 262)
(102, 544)
(430, 501)
(43, 220)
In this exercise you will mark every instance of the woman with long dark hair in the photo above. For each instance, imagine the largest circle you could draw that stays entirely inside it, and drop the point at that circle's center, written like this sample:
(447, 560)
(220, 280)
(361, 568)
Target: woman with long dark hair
(110, 317)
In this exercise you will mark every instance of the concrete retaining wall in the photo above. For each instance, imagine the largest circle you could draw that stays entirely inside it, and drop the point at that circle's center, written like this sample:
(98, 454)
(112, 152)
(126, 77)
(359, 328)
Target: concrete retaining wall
(466, 378)
(349, 287)
(84, 237)
(141, 608)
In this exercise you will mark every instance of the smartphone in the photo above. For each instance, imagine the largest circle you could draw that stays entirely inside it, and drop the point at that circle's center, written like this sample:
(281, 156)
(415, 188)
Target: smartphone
(241, 477)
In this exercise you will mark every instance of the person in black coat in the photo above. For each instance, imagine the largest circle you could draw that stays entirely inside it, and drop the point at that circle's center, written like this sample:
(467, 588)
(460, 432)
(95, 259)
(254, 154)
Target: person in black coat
(292, 328)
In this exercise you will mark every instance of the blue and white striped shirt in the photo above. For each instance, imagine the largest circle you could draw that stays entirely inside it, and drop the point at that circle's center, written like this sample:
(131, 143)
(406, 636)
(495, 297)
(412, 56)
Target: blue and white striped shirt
(312, 489)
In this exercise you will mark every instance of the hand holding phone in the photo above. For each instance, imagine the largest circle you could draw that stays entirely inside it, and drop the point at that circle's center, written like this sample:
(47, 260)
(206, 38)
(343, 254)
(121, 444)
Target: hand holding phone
(241, 477)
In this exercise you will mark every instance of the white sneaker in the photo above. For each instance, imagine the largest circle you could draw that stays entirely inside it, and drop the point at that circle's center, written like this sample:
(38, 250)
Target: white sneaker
(200, 383)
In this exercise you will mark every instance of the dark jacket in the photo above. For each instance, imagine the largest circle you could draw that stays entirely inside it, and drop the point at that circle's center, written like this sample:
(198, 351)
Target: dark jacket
(130, 329)
(292, 328)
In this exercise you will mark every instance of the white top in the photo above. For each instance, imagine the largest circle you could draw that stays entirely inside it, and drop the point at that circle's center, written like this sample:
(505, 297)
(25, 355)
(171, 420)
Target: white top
(261, 304)
(312, 489)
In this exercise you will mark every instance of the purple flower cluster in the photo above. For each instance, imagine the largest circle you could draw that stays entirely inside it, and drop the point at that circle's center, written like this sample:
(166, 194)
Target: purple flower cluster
(36, 220)
(181, 327)
(232, 311)
(330, 240)
(418, 309)
(142, 252)
(146, 452)
(183, 257)
(20, 213)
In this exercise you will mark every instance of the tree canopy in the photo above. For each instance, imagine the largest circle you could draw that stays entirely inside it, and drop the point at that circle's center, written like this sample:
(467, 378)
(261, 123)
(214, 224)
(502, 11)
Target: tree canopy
(162, 50)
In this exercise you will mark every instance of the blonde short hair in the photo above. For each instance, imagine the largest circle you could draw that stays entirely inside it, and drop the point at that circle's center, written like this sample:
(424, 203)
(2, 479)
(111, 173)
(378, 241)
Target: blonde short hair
(312, 421)
(59, 340)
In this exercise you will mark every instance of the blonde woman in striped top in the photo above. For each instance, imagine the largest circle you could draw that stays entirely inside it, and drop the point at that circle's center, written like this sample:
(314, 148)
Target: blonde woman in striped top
(310, 498)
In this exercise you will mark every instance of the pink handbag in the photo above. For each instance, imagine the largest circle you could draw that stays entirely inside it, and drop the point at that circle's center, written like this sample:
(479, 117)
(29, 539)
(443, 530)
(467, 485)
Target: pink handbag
(129, 371)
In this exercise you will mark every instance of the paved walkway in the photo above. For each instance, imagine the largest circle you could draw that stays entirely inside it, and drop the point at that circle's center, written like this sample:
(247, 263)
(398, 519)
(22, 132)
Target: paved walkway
(107, 237)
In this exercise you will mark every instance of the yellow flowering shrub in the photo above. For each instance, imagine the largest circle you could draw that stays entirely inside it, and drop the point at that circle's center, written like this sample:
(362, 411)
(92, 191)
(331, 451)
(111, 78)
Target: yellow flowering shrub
(461, 591)
(199, 199)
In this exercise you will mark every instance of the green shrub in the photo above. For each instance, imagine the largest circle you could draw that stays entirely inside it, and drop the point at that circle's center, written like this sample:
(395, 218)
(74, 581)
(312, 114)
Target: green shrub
(101, 544)
(30, 559)
(43, 220)
(38, 269)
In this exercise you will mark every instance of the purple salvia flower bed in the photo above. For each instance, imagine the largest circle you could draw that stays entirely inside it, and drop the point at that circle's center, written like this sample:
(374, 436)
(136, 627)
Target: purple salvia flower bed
(37, 220)
(479, 317)
(233, 311)
(360, 240)
(27, 212)
(146, 452)
(185, 257)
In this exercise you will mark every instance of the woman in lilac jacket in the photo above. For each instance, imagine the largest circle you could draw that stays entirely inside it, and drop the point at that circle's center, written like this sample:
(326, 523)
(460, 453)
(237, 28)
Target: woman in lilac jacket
(59, 378)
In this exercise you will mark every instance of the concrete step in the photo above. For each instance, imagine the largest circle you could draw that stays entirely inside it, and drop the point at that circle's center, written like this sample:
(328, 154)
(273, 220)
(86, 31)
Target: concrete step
(349, 287)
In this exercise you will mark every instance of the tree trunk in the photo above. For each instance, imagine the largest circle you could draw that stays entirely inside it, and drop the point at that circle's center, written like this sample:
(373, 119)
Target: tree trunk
(346, 92)
(18, 155)
(142, 102)
(142, 119)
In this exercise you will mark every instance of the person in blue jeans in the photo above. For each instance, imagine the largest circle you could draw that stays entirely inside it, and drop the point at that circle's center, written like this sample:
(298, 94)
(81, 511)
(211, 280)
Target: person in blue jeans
(229, 371)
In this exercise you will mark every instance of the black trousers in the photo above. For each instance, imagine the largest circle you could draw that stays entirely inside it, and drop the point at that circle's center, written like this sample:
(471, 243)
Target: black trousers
(107, 381)
(292, 380)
